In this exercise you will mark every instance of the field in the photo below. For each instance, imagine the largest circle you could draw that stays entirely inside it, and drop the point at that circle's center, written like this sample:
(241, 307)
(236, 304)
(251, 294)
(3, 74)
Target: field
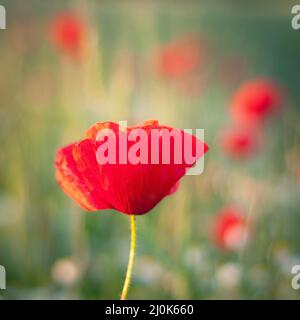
(53, 89)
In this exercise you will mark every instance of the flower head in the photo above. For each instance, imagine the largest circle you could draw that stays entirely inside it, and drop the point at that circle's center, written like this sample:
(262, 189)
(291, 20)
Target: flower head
(68, 32)
(254, 101)
(180, 58)
(231, 229)
(131, 187)
(240, 143)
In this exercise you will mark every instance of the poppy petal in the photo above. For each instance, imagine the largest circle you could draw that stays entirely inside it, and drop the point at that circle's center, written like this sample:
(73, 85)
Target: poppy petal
(72, 181)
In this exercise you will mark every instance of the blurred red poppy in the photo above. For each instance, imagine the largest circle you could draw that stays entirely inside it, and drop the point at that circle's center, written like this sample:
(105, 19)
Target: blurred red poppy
(240, 143)
(255, 101)
(231, 229)
(180, 57)
(68, 33)
(128, 188)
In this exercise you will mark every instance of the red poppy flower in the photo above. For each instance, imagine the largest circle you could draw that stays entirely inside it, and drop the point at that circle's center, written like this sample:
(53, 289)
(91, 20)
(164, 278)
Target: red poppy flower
(240, 143)
(255, 101)
(180, 58)
(129, 188)
(68, 32)
(231, 230)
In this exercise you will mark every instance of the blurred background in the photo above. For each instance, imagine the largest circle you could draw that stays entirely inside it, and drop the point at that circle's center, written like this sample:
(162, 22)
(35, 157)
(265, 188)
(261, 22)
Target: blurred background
(232, 232)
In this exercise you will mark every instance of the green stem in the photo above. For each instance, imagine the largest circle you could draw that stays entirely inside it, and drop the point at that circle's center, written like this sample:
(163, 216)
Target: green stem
(131, 258)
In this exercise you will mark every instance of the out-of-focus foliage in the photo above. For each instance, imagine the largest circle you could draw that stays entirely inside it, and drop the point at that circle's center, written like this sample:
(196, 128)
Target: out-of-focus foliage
(50, 247)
